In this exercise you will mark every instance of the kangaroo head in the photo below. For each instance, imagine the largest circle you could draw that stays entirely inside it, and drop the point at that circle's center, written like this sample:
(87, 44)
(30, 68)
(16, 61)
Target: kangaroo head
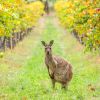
(48, 49)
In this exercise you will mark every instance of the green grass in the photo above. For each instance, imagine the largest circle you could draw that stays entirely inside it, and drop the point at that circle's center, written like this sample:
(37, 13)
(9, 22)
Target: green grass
(31, 80)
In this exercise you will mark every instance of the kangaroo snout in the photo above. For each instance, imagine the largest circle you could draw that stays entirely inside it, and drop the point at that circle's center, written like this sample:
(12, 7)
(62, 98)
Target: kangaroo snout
(48, 51)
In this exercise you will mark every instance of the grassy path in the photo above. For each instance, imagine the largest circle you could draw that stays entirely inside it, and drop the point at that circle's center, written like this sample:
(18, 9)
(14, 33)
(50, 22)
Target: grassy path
(26, 77)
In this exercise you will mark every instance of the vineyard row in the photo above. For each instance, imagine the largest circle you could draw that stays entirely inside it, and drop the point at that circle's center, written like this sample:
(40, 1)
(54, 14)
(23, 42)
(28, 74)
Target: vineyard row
(82, 18)
(17, 19)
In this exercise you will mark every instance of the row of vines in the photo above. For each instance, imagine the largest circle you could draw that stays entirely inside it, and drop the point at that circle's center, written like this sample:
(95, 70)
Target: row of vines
(82, 18)
(17, 18)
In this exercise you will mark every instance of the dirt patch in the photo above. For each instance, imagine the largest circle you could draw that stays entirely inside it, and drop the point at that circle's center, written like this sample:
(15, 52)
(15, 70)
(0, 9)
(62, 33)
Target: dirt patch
(93, 58)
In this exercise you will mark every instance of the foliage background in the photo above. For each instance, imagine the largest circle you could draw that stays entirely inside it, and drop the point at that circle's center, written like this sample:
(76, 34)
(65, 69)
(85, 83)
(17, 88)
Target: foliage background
(83, 16)
(17, 15)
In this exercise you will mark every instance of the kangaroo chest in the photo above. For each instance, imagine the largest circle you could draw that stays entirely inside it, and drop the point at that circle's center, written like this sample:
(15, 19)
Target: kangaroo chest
(51, 66)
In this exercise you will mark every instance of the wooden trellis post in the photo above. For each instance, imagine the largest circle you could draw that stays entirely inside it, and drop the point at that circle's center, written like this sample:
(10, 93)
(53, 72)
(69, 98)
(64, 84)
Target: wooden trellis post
(11, 46)
(4, 43)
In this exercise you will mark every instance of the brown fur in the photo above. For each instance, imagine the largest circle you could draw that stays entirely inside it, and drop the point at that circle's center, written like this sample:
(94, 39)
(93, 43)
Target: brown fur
(59, 70)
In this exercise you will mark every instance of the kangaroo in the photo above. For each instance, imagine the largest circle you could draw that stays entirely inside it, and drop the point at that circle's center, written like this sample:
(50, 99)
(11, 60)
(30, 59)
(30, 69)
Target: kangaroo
(59, 70)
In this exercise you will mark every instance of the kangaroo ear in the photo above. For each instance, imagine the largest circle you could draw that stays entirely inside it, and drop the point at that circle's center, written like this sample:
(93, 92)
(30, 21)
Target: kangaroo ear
(51, 42)
(43, 43)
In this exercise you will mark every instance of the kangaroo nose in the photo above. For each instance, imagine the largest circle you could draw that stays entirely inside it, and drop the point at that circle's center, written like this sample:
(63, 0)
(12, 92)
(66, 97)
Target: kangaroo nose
(48, 51)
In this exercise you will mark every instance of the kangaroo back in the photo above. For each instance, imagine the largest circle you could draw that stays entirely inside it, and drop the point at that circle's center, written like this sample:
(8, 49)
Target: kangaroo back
(63, 72)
